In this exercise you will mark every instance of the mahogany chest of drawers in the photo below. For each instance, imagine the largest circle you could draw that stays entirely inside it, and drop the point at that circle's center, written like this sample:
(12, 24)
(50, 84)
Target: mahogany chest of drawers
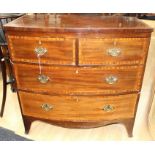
(78, 71)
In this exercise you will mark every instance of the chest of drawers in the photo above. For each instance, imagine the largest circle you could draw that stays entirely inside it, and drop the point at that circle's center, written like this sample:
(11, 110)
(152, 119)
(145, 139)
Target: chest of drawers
(78, 71)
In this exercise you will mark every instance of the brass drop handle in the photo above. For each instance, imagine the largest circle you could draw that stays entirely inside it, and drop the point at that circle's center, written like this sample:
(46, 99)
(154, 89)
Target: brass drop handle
(47, 107)
(40, 51)
(43, 78)
(111, 79)
(114, 52)
(108, 108)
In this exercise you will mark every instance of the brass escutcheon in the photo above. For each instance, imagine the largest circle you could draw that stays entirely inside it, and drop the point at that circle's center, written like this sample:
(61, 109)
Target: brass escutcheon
(107, 108)
(40, 50)
(43, 78)
(46, 107)
(111, 79)
(114, 52)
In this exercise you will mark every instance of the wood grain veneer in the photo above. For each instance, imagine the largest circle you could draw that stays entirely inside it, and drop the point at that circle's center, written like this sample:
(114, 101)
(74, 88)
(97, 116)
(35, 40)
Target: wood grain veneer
(78, 23)
(77, 64)
(79, 80)
(59, 50)
(95, 51)
(78, 108)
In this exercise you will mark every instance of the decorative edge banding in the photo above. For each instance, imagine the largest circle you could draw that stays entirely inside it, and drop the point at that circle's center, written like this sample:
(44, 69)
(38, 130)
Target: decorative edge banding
(39, 38)
(43, 62)
(83, 96)
(10, 37)
(85, 93)
(114, 63)
(139, 70)
(74, 53)
(102, 39)
(92, 68)
(81, 60)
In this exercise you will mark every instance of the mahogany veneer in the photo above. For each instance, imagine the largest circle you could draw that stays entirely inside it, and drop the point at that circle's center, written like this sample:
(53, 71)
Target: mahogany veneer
(79, 80)
(78, 71)
(94, 51)
(79, 108)
(60, 50)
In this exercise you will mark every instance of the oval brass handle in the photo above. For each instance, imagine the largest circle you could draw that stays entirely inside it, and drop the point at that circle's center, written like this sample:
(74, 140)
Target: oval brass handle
(46, 107)
(107, 108)
(40, 50)
(114, 52)
(43, 78)
(111, 79)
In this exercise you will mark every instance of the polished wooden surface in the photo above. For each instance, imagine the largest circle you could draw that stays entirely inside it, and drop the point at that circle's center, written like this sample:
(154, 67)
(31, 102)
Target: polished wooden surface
(42, 131)
(128, 123)
(95, 51)
(78, 80)
(86, 52)
(90, 68)
(59, 50)
(77, 23)
(78, 108)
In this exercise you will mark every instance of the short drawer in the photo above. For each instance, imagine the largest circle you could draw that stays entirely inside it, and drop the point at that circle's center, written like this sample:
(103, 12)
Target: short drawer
(116, 51)
(51, 50)
(78, 108)
(78, 80)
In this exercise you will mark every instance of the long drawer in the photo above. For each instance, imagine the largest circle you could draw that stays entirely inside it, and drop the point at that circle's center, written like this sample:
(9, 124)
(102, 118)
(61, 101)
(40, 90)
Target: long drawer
(52, 50)
(78, 108)
(118, 51)
(78, 80)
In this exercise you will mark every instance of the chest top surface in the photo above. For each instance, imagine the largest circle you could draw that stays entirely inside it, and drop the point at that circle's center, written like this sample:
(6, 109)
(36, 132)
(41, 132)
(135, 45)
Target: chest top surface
(77, 23)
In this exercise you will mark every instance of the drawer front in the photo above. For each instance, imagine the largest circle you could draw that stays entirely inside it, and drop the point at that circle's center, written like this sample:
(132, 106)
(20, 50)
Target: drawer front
(78, 108)
(113, 51)
(78, 80)
(52, 50)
